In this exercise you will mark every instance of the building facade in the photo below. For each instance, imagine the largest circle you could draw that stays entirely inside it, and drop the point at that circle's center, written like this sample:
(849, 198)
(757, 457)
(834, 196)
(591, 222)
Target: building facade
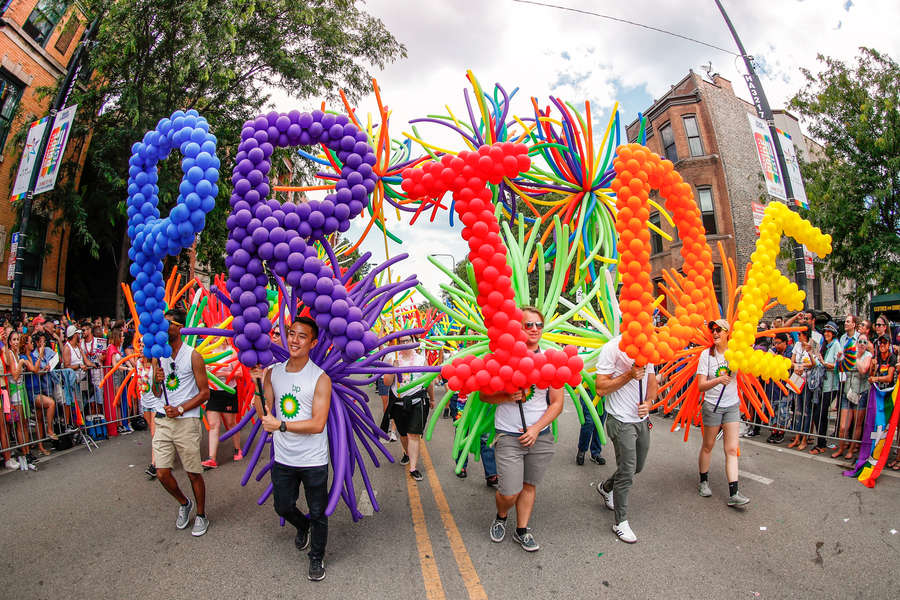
(37, 41)
(702, 127)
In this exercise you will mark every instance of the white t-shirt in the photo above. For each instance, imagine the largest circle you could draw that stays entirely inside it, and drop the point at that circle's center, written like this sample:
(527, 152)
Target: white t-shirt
(508, 419)
(149, 401)
(716, 366)
(294, 393)
(178, 377)
(401, 379)
(623, 402)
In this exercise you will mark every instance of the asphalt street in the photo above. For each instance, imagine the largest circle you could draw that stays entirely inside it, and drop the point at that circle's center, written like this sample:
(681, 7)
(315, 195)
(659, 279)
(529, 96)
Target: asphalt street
(92, 526)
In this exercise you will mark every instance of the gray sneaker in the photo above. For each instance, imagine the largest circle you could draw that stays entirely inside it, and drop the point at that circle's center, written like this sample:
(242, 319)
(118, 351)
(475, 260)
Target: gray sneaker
(607, 496)
(526, 540)
(498, 530)
(703, 488)
(201, 524)
(184, 515)
(738, 499)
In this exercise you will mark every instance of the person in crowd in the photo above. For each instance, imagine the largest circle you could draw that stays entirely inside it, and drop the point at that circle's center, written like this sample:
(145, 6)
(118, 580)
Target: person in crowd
(805, 319)
(762, 344)
(297, 422)
(850, 380)
(804, 359)
(858, 387)
(45, 359)
(178, 427)
(884, 364)
(865, 329)
(92, 352)
(721, 411)
(409, 409)
(523, 445)
(629, 390)
(831, 354)
(882, 326)
(383, 390)
(73, 361)
(781, 401)
(221, 409)
(777, 323)
(110, 357)
(12, 368)
(42, 405)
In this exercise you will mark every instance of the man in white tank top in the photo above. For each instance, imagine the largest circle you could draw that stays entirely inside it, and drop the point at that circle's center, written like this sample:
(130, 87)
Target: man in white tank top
(523, 447)
(298, 398)
(182, 383)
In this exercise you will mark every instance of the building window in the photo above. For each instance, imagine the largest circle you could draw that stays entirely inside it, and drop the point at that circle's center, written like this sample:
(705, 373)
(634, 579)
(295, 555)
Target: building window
(33, 265)
(656, 245)
(68, 33)
(719, 288)
(10, 94)
(43, 19)
(817, 292)
(707, 209)
(668, 142)
(693, 135)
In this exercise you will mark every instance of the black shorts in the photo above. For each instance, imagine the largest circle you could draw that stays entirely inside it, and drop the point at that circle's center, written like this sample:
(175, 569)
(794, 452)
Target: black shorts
(411, 420)
(221, 401)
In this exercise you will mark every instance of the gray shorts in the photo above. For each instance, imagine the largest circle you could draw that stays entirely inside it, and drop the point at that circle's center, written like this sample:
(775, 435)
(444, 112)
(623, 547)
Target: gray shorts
(724, 414)
(517, 464)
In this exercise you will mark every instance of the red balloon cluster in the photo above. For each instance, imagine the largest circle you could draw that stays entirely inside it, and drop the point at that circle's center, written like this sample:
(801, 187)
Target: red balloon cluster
(638, 170)
(509, 366)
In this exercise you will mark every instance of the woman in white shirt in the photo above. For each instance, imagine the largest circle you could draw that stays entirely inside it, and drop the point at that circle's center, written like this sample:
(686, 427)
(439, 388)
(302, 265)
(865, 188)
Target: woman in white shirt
(721, 411)
(409, 409)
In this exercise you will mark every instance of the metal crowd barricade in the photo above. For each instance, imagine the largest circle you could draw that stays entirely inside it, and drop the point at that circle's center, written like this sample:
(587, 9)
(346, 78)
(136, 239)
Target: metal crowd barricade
(61, 408)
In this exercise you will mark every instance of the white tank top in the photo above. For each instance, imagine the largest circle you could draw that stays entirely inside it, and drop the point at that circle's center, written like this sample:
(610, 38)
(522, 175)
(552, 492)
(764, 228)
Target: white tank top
(178, 377)
(293, 402)
(75, 355)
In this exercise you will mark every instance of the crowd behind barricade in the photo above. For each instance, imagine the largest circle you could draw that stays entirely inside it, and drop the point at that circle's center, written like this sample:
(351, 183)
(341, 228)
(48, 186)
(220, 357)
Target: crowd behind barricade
(54, 386)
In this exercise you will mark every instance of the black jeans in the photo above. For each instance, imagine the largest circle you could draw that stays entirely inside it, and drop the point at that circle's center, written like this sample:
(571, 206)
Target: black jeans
(286, 489)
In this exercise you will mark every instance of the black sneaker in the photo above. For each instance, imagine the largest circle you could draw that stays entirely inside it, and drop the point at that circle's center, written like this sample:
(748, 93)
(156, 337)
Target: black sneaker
(404, 460)
(492, 481)
(579, 458)
(316, 569)
(462, 474)
(150, 471)
(526, 540)
(415, 474)
(598, 459)
(302, 540)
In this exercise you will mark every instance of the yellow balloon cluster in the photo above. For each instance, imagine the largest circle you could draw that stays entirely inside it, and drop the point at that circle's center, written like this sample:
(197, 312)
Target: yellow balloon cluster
(765, 281)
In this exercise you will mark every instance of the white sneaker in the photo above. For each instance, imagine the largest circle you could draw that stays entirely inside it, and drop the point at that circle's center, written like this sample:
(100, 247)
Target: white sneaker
(392, 436)
(12, 464)
(704, 489)
(607, 496)
(623, 530)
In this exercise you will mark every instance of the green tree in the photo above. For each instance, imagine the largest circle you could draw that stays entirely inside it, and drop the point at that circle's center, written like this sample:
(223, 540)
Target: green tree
(222, 57)
(854, 190)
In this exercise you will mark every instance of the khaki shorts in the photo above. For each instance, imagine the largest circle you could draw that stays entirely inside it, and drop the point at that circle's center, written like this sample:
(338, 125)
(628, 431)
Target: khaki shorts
(517, 464)
(181, 436)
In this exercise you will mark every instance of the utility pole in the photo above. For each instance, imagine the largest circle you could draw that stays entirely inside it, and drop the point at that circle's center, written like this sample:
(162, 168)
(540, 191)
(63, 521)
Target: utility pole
(764, 112)
(61, 96)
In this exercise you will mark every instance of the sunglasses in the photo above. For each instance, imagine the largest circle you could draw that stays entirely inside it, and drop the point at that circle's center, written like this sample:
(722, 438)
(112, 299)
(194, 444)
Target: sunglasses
(716, 329)
(533, 324)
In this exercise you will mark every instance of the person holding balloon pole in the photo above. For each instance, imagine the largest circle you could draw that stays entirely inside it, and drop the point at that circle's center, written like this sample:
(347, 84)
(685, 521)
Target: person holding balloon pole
(630, 390)
(721, 411)
(297, 396)
(182, 382)
(523, 446)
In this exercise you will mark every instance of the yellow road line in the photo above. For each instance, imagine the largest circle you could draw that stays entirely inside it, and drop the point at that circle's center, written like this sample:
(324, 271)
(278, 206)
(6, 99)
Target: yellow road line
(463, 560)
(434, 590)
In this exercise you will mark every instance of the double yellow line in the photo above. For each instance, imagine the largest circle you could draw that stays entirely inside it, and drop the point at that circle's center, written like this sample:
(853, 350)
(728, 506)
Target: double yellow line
(434, 589)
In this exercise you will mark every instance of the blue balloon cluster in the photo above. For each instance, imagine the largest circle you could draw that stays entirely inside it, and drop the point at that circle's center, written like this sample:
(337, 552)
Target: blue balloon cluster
(152, 237)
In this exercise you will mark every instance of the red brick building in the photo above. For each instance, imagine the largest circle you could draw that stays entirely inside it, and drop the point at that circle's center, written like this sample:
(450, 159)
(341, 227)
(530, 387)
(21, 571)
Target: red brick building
(37, 41)
(702, 127)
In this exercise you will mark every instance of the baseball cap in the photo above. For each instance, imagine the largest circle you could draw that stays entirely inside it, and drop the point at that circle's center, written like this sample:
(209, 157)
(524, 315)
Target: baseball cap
(71, 330)
(722, 323)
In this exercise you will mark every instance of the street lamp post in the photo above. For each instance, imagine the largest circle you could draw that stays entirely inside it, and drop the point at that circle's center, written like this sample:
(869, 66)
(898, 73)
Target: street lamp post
(452, 258)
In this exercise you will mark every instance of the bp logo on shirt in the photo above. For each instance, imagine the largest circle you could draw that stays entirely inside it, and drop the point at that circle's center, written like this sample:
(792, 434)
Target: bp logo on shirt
(723, 370)
(289, 406)
(172, 382)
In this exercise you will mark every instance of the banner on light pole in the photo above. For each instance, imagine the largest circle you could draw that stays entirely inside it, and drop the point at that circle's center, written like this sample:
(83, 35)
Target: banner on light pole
(793, 168)
(56, 148)
(29, 157)
(768, 160)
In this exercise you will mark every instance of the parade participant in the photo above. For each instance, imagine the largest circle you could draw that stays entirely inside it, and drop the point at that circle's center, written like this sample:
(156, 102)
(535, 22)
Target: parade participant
(297, 423)
(178, 427)
(221, 408)
(629, 391)
(523, 446)
(721, 411)
(409, 409)
(831, 353)
(589, 439)
(151, 405)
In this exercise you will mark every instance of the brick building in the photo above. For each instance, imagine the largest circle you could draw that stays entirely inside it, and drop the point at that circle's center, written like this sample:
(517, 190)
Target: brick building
(701, 126)
(37, 41)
